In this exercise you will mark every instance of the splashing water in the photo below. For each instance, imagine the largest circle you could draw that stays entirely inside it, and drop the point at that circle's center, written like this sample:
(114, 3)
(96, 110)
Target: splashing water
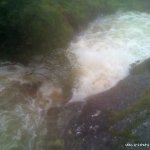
(25, 96)
(105, 51)
(100, 56)
(21, 117)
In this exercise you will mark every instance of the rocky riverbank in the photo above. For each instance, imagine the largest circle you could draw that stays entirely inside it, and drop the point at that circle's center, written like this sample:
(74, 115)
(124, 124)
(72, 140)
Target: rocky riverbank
(108, 120)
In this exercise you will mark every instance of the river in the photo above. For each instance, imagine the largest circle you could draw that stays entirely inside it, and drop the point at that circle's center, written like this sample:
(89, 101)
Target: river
(97, 59)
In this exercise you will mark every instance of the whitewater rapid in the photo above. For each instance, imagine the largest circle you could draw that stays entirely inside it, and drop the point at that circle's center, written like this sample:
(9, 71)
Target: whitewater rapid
(99, 58)
(105, 51)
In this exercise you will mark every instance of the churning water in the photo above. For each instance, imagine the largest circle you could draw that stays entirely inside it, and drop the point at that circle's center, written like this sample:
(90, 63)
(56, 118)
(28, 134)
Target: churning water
(105, 51)
(100, 57)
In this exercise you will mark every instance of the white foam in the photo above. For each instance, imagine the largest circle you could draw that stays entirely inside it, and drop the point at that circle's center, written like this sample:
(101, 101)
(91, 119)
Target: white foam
(105, 51)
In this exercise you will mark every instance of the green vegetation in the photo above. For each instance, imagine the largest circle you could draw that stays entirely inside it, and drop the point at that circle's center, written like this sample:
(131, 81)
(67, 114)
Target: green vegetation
(142, 104)
(134, 114)
(30, 27)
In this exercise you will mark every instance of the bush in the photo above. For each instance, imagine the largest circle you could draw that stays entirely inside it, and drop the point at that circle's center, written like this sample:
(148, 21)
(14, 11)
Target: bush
(32, 27)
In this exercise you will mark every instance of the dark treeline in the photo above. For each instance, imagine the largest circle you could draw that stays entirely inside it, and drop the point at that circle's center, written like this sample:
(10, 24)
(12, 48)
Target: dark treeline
(30, 27)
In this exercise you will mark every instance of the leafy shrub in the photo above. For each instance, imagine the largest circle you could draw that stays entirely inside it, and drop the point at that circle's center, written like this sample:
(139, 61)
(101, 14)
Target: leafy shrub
(32, 27)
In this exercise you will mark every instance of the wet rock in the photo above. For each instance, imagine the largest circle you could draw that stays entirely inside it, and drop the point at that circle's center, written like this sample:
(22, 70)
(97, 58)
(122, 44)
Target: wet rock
(108, 120)
(142, 131)
(94, 124)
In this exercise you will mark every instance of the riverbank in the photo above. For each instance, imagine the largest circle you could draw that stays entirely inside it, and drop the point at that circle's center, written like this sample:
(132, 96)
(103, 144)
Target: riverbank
(108, 120)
